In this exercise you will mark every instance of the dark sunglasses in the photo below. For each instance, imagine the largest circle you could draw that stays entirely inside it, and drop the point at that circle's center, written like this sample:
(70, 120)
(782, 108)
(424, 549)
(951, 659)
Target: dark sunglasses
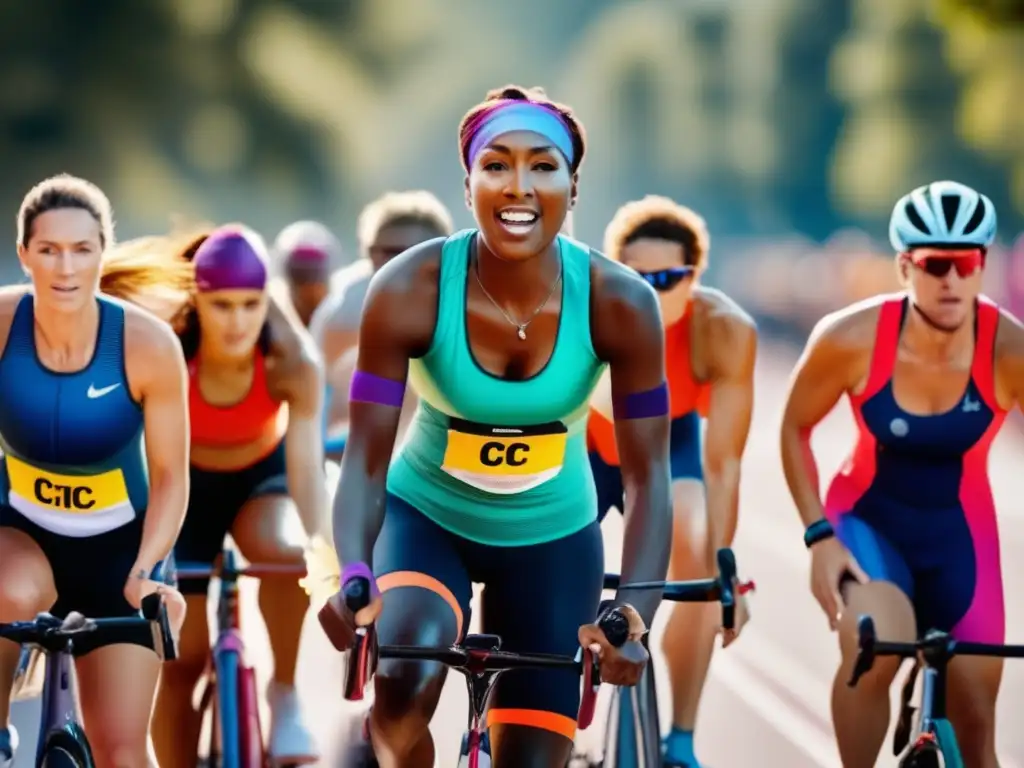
(667, 279)
(938, 266)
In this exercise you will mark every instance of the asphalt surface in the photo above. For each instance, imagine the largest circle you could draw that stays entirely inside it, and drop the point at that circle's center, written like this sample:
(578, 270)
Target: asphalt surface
(767, 701)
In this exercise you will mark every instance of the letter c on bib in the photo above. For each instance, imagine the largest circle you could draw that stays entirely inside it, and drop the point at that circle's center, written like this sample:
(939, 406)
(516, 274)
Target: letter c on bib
(42, 485)
(512, 454)
(492, 454)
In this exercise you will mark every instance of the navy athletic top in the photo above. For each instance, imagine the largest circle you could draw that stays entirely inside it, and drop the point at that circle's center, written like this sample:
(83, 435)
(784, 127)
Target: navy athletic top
(73, 458)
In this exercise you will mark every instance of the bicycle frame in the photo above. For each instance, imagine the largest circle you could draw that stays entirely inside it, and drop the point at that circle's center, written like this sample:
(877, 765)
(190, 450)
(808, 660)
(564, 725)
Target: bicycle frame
(60, 703)
(60, 725)
(933, 733)
(481, 661)
(633, 732)
(236, 735)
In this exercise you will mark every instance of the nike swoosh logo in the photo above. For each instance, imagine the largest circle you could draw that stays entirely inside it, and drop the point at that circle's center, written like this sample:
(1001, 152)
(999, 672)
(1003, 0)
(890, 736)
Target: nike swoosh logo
(93, 393)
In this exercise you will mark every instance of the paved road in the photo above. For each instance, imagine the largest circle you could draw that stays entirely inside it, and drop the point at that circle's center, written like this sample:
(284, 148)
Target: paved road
(767, 702)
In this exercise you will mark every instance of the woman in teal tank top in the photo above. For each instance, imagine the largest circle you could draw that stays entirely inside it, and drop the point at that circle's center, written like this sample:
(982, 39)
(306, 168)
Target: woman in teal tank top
(503, 331)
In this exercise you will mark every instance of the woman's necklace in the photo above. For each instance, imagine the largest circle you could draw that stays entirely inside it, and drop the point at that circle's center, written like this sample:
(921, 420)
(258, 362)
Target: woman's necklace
(520, 327)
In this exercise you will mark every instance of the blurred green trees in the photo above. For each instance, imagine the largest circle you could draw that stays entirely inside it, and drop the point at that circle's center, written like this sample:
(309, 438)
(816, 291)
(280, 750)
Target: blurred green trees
(767, 115)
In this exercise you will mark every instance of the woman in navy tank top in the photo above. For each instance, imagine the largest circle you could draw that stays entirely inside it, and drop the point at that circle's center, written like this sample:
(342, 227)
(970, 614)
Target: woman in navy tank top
(88, 511)
(907, 532)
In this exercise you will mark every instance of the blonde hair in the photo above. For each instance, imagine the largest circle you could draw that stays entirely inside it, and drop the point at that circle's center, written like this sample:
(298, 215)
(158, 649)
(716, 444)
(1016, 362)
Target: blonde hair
(396, 208)
(659, 218)
(155, 273)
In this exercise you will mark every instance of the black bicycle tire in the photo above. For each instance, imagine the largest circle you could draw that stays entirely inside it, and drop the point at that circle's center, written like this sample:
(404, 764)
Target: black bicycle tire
(922, 758)
(66, 747)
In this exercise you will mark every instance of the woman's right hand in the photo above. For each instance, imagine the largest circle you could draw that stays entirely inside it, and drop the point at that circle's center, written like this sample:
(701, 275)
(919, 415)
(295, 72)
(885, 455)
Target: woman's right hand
(831, 562)
(340, 624)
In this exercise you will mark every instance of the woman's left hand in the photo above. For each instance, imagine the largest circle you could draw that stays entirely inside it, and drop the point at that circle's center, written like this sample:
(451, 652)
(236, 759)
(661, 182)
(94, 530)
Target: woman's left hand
(137, 587)
(619, 666)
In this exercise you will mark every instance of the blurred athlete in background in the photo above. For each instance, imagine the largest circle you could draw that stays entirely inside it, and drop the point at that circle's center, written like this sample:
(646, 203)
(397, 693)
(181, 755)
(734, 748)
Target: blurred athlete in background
(388, 226)
(304, 253)
(710, 349)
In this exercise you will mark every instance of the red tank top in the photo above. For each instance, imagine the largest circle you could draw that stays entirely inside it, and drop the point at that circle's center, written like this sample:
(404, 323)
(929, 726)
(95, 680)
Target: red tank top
(245, 422)
(685, 393)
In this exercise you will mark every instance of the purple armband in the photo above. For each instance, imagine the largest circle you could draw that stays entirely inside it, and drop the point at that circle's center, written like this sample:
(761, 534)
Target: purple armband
(368, 388)
(359, 571)
(642, 405)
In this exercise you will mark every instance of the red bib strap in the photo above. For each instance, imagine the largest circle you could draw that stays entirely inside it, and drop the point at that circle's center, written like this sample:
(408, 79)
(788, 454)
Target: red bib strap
(887, 339)
(982, 368)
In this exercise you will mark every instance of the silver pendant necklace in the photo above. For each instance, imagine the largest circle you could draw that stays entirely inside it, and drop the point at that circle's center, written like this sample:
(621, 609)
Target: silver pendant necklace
(520, 327)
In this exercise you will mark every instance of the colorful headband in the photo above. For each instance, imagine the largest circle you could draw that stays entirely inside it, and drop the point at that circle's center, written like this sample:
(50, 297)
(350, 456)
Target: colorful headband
(227, 259)
(513, 115)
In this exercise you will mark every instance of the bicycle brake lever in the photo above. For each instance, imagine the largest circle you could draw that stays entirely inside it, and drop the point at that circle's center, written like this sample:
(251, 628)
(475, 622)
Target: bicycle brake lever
(726, 580)
(866, 650)
(591, 686)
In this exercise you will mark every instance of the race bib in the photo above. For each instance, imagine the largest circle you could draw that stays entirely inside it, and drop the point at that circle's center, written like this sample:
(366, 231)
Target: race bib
(53, 501)
(504, 460)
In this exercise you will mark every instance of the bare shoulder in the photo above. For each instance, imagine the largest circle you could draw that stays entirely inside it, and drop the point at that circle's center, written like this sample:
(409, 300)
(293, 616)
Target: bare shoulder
(723, 313)
(152, 351)
(289, 339)
(625, 318)
(409, 273)
(146, 335)
(401, 303)
(852, 328)
(1009, 337)
(619, 292)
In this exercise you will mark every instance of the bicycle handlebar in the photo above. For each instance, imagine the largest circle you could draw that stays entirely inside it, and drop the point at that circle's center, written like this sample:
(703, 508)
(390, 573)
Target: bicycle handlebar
(365, 653)
(723, 588)
(151, 629)
(231, 573)
(935, 644)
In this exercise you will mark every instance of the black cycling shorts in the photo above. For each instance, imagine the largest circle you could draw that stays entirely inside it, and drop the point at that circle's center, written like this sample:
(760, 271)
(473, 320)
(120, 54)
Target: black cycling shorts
(89, 572)
(215, 500)
(535, 597)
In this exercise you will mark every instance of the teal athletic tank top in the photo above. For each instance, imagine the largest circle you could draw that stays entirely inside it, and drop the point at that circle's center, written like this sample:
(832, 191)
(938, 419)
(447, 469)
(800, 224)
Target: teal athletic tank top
(495, 461)
(73, 457)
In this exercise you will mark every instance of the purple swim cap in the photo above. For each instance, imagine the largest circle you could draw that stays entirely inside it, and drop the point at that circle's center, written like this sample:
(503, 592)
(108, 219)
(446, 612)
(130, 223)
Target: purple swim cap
(231, 258)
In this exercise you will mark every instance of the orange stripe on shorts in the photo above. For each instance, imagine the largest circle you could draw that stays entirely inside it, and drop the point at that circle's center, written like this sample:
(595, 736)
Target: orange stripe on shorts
(423, 581)
(534, 718)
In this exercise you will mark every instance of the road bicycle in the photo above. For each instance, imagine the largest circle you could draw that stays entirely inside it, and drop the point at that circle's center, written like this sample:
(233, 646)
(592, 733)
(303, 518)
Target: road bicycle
(928, 739)
(481, 661)
(632, 737)
(62, 741)
(230, 694)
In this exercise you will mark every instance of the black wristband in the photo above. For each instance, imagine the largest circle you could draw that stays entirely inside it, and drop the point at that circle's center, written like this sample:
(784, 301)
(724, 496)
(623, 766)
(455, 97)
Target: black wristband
(817, 531)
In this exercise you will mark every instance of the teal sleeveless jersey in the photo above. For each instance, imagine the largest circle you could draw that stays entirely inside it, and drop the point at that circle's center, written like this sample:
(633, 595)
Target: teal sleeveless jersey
(496, 461)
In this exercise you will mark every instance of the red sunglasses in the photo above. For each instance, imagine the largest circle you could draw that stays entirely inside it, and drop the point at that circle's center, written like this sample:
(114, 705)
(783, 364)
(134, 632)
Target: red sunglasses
(966, 263)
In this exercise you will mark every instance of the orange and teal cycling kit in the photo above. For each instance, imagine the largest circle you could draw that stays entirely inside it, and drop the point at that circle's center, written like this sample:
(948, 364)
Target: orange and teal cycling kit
(688, 401)
(913, 502)
(74, 475)
(217, 495)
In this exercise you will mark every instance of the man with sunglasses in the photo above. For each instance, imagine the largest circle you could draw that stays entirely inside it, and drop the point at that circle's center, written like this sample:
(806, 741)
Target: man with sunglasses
(907, 532)
(710, 347)
(389, 225)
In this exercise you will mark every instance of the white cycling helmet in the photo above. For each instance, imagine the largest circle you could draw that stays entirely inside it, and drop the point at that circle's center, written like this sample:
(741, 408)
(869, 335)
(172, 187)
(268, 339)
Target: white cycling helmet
(944, 214)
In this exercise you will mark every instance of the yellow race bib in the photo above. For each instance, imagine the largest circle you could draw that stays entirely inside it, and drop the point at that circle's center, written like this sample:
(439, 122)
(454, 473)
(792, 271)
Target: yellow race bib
(36, 489)
(504, 460)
